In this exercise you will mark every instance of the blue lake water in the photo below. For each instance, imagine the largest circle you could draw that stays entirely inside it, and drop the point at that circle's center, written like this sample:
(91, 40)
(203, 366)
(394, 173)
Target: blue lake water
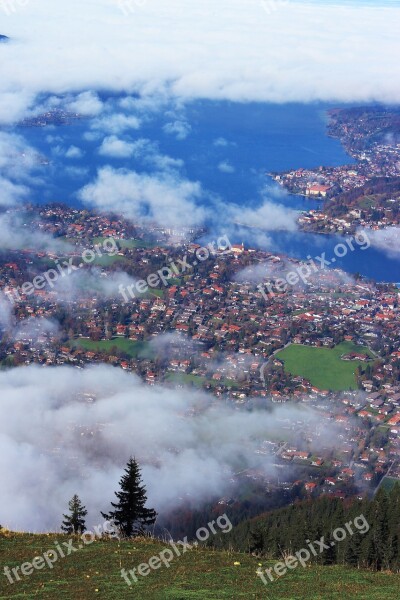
(229, 148)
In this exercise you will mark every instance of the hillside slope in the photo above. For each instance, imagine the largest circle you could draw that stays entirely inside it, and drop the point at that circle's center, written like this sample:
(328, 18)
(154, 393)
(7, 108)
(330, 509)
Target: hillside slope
(95, 572)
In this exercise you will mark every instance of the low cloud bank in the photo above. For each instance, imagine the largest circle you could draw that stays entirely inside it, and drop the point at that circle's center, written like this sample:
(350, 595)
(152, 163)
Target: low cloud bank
(387, 240)
(66, 431)
(257, 50)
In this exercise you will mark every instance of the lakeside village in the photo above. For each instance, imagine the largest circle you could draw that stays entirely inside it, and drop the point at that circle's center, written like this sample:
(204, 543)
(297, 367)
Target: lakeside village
(227, 338)
(365, 194)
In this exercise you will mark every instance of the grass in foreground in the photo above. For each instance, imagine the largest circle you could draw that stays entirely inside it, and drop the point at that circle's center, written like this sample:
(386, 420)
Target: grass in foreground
(200, 574)
(323, 367)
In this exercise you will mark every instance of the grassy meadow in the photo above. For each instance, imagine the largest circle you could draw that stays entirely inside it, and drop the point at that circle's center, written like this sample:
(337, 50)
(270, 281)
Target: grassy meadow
(94, 572)
(323, 367)
(133, 348)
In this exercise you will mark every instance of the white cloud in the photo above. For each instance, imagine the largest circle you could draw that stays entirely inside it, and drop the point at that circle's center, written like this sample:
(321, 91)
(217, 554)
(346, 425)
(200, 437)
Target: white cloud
(180, 129)
(86, 104)
(92, 283)
(14, 104)
(77, 172)
(116, 148)
(162, 197)
(148, 152)
(12, 193)
(74, 152)
(19, 165)
(268, 217)
(167, 198)
(163, 162)
(15, 235)
(387, 240)
(222, 143)
(36, 330)
(230, 50)
(144, 105)
(54, 442)
(142, 149)
(54, 139)
(226, 167)
(6, 313)
(257, 273)
(92, 136)
(17, 158)
(116, 123)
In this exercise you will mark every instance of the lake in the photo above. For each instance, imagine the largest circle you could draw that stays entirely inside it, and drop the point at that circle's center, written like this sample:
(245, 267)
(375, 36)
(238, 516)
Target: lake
(229, 148)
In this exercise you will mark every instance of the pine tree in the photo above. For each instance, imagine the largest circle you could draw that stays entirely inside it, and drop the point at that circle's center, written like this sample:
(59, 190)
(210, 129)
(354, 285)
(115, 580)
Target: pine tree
(256, 542)
(130, 514)
(75, 521)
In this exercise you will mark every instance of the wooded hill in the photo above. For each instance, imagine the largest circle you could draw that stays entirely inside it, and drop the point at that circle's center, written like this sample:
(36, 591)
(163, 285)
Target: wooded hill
(286, 531)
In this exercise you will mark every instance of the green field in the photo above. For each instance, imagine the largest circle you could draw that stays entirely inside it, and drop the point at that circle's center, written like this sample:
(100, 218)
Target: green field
(186, 379)
(94, 572)
(155, 292)
(323, 366)
(130, 347)
(130, 244)
(134, 244)
(107, 260)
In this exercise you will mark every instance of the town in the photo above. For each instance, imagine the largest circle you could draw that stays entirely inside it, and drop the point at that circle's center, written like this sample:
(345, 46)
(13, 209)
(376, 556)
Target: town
(363, 194)
(332, 344)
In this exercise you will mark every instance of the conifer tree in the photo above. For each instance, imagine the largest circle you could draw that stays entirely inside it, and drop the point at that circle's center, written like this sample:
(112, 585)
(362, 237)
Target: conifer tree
(130, 514)
(75, 521)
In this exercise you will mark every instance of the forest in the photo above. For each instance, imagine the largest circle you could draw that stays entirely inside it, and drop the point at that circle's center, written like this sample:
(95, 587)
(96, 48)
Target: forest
(285, 531)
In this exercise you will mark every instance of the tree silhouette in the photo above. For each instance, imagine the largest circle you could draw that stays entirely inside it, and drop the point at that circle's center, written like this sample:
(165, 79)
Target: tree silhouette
(75, 521)
(130, 514)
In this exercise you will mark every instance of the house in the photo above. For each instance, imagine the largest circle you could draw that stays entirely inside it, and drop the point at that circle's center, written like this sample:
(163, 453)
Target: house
(238, 248)
(347, 472)
(394, 420)
(317, 189)
(330, 480)
(121, 330)
(301, 455)
(310, 487)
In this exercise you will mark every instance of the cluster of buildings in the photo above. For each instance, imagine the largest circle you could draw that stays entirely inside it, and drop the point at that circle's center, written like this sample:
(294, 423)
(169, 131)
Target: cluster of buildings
(323, 182)
(222, 331)
(321, 221)
(55, 117)
(371, 138)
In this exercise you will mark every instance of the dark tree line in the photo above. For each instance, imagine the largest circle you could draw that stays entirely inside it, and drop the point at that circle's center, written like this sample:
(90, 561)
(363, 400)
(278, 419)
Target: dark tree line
(286, 531)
